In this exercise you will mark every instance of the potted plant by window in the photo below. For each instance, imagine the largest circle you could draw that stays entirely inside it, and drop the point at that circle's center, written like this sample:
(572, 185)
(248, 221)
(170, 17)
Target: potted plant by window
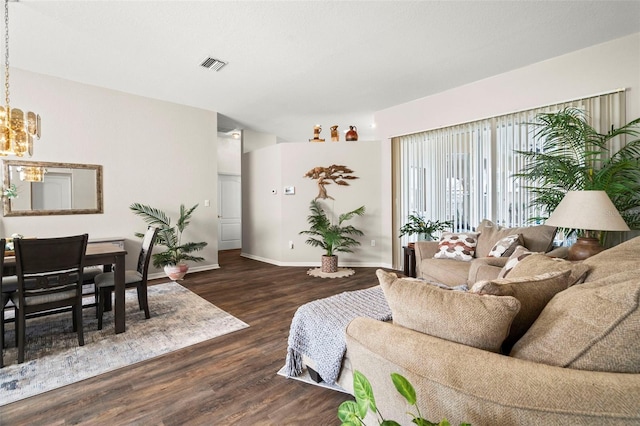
(424, 228)
(331, 237)
(575, 157)
(176, 253)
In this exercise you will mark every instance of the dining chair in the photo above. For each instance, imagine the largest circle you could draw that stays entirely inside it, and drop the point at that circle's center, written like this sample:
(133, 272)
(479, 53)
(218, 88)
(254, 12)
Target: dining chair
(50, 274)
(8, 286)
(5, 293)
(105, 282)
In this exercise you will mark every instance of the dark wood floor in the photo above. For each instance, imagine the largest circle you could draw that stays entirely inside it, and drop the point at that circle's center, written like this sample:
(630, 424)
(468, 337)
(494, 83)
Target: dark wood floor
(230, 380)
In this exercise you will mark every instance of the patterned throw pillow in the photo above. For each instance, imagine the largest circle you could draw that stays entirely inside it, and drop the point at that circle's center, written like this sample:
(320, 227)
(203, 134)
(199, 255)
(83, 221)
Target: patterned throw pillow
(516, 257)
(460, 246)
(506, 246)
(539, 263)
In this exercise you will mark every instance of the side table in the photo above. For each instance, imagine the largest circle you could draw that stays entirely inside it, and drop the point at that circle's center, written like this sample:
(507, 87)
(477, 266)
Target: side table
(409, 260)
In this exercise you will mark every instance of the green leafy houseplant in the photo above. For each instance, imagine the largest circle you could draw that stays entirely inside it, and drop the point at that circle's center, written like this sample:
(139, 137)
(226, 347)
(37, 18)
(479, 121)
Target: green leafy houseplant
(417, 224)
(169, 236)
(331, 237)
(352, 413)
(10, 192)
(575, 157)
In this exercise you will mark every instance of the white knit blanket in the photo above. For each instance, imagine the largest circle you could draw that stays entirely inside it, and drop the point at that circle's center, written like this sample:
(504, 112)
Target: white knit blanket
(318, 329)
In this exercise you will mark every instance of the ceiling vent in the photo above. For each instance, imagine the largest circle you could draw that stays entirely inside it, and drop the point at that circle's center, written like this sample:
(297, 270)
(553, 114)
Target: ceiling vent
(213, 64)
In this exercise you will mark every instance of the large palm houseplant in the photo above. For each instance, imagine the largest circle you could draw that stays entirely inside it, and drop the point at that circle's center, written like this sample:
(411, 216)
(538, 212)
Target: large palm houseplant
(573, 156)
(331, 237)
(176, 252)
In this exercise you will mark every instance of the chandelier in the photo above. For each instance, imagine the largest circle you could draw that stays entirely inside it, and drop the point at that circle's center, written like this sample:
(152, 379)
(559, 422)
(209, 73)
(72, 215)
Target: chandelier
(31, 173)
(17, 128)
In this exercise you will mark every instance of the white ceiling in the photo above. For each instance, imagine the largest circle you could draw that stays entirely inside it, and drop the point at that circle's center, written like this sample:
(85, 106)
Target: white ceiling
(294, 64)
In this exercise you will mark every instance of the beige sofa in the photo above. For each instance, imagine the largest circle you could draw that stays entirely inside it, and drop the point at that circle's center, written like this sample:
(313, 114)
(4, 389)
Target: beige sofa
(578, 363)
(455, 272)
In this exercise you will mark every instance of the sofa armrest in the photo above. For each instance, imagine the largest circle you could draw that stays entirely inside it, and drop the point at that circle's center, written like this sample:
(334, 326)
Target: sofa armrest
(485, 268)
(424, 250)
(466, 384)
(560, 252)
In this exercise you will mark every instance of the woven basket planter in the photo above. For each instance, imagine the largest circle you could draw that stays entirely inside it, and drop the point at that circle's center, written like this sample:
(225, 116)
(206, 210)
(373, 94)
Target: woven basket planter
(329, 264)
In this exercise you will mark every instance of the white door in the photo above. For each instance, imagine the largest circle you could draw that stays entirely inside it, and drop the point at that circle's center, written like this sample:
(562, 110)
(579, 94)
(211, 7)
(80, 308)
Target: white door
(54, 193)
(230, 212)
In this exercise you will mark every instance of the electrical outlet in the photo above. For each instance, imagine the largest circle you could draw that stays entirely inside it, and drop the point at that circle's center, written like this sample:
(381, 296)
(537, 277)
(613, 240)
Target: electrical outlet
(373, 243)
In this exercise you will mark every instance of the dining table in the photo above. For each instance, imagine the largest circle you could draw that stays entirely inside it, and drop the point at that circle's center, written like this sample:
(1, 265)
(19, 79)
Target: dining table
(100, 254)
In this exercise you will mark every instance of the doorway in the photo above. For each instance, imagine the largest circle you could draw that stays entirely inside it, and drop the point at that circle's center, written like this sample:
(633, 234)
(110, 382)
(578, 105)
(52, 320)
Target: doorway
(229, 212)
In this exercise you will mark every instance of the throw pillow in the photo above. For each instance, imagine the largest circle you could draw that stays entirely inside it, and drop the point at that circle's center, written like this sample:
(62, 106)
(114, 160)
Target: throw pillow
(536, 264)
(533, 293)
(592, 326)
(516, 257)
(535, 238)
(461, 246)
(470, 319)
(505, 246)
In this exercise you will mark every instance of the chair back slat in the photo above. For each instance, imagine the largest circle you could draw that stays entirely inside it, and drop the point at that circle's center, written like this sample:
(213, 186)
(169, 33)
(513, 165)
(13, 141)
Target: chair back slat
(145, 251)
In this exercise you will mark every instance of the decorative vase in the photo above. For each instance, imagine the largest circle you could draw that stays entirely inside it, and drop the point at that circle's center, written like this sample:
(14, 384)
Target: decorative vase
(424, 237)
(176, 272)
(352, 134)
(316, 134)
(329, 264)
(335, 136)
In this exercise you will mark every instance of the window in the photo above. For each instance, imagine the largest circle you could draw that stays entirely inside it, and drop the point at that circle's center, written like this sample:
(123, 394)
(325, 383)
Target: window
(464, 173)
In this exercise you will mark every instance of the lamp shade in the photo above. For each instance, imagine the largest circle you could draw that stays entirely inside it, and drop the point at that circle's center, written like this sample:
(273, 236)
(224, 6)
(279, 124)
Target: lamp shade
(588, 210)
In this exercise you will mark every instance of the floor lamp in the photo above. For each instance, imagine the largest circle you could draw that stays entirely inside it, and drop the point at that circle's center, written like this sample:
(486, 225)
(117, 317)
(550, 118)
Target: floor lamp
(591, 211)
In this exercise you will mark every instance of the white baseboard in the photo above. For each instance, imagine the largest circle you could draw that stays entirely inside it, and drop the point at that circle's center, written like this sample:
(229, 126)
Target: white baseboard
(316, 264)
(161, 274)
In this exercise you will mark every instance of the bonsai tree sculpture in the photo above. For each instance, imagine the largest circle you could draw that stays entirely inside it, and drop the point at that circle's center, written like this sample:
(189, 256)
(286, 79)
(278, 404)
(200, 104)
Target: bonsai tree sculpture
(172, 259)
(424, 228)
(331, 237)
(336, 173)
(575, 157)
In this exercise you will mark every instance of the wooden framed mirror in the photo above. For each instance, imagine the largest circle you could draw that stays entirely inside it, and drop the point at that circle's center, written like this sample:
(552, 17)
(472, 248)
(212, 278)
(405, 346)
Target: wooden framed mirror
(52, 188)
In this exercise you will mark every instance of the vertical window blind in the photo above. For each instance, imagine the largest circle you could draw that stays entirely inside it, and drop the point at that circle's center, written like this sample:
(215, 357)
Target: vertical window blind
(464, 173)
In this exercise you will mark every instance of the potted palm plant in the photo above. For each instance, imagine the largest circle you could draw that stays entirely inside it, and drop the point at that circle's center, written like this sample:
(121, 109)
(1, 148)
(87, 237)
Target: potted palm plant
(575, 157)
(331, 237)
(176, 253)
(424, 228)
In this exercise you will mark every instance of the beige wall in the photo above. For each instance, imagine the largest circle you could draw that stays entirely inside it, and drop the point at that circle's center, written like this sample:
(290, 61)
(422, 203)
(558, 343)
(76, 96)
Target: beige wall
(273, 218)
(152, 152)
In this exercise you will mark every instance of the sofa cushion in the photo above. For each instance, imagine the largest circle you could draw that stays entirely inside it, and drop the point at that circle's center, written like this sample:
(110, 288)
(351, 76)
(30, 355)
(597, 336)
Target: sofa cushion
(504, 247)
(535, 238)
(592, 326)
(536, 264)
(471, 319)
(485, 268)
(622, 257)
(446, 271)
(460, 246)
(533, 292)
(516, 257)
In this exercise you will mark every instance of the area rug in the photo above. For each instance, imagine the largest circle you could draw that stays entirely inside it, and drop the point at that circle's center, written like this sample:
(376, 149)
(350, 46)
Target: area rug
(340, 273)
(179, 318)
